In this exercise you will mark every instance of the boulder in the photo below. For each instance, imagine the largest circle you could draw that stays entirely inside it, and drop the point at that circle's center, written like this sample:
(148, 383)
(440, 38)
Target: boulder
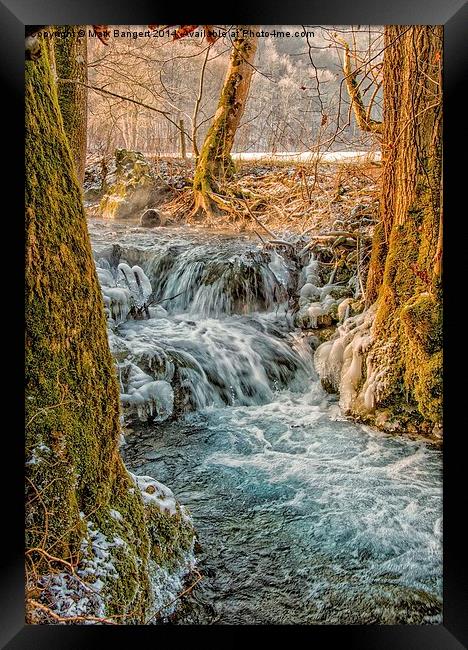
(129, 186)
(150, 219)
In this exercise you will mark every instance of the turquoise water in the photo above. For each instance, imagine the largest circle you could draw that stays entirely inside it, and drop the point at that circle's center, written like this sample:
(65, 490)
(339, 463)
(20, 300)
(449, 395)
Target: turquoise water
(302, 516)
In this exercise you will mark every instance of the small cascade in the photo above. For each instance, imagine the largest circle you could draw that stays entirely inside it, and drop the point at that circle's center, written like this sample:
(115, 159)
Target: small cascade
(199, 326)
(209, 362)
(206, 282)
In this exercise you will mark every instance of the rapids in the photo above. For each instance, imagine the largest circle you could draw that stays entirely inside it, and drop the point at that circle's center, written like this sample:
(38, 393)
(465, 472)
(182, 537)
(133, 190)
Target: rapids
(302, 516)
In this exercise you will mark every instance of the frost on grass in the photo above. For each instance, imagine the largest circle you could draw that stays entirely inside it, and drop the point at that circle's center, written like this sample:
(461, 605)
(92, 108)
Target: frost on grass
(166, 587)
(115, 514)
(38, 454)
(83, 594)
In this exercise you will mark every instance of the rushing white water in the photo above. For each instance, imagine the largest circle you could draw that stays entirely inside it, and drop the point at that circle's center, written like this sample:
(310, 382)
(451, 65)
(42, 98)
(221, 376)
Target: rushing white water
(302, 516)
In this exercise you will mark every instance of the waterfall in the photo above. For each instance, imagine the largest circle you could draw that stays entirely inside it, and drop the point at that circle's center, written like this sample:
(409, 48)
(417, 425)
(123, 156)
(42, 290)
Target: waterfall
(217, 332)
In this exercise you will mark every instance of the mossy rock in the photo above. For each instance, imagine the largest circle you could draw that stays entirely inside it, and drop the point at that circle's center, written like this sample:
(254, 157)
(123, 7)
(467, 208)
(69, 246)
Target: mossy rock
(130, 188)
(151, 218)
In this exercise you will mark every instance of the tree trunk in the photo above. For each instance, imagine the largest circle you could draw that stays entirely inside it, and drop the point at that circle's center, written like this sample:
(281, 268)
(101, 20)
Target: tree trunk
(74, 472)
(408, 244)
(214, 164)
(391, 372)
(71, 60)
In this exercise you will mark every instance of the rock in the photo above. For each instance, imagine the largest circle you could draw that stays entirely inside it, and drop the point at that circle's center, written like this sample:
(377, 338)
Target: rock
(130, 185)
(327, 386)
(437, 431)
(150, 218)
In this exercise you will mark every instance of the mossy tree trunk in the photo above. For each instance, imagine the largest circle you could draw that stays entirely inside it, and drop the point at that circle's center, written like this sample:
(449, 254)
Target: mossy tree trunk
(71, 60)
(73, 464)
(404, 276)
(214, 164)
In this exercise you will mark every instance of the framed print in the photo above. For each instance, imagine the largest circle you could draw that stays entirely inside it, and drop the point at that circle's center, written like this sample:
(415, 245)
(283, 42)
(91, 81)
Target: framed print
(240, 404)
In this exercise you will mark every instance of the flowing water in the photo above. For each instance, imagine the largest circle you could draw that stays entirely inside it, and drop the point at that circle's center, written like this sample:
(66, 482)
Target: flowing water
(302, 516)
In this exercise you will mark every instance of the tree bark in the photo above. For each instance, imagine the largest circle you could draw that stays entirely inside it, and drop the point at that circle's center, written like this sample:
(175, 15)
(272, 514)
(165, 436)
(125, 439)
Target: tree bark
(74, 472)
(387, 366)
(214, 163)
(71, 60)
(407, 247)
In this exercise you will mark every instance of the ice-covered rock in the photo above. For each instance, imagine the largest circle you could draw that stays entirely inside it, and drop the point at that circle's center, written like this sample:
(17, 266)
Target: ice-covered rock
(155, 493)
(118, 300)
(310, 292)
(343, 365)
(151, 399)
(311, 272)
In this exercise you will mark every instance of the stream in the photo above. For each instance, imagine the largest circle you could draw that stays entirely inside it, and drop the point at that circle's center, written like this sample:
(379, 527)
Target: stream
(303, 517)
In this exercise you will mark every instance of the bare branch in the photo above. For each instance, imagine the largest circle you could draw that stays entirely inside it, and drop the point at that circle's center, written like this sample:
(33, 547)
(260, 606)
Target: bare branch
(365, 122)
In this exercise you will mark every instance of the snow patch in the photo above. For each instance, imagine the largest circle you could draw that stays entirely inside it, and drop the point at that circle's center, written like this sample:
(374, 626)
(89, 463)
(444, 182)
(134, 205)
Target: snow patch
(155, 493)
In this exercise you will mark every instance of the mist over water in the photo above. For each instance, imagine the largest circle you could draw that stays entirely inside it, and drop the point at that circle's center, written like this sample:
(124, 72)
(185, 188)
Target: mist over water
(302, 516)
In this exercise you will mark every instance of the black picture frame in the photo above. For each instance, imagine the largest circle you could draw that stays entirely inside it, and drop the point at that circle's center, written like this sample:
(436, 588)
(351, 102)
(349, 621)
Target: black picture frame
(453, 14)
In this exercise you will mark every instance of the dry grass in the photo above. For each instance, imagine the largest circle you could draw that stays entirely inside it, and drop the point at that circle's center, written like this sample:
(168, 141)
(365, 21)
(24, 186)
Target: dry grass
(296, 198)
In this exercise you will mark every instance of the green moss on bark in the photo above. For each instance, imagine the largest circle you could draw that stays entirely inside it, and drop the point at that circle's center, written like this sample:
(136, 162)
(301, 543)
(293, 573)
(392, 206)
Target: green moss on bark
(71, 62)
(215, 165)
(404, 284)
(73, 463)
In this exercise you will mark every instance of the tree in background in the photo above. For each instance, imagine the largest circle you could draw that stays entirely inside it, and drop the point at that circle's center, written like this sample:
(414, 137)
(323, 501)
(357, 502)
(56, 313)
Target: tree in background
(71, 61)
(214, 164)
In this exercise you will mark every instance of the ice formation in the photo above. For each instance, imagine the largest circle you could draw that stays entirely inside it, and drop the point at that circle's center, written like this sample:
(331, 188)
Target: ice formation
(322, 305)
(344, 365)
(153, 399)
(309, 291)
(155, 493)
(123, 288)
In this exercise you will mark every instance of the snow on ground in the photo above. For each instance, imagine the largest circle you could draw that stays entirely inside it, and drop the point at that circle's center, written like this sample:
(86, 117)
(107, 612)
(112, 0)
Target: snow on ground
(294, 156)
